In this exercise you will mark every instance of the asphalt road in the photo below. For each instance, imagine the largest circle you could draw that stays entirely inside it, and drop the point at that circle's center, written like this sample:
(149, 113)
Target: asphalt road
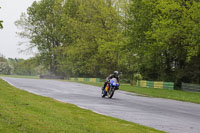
(163, 114)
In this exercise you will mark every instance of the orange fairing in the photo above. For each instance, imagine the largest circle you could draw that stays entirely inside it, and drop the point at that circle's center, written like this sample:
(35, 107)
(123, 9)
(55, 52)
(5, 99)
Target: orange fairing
(107, 87)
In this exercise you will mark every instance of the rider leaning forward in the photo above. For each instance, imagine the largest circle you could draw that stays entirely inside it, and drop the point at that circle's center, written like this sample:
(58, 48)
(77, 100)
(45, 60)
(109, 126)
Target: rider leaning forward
(114, 75)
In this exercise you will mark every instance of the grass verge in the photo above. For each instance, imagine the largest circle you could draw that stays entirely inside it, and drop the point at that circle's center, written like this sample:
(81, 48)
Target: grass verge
(179, 95)
(21, 111)
(20, 76)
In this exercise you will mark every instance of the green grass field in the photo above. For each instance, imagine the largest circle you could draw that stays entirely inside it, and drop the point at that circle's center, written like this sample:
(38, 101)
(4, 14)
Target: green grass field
(159, 93)
(23, 112)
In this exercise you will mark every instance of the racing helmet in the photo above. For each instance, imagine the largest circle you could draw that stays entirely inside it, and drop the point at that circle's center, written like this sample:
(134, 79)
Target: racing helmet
(116, 73)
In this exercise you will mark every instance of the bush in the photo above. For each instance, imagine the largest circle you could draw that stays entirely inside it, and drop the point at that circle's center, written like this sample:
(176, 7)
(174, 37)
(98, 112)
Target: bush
(137, 76)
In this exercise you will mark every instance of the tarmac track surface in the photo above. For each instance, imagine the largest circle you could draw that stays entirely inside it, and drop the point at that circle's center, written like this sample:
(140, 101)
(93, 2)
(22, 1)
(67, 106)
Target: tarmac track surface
(163, 114)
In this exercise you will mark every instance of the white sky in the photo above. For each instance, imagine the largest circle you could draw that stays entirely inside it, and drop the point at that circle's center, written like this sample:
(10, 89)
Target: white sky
(10, 12)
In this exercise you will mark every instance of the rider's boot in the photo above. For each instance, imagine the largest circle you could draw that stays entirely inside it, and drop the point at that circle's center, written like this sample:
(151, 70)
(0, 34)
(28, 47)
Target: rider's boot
(104, 86)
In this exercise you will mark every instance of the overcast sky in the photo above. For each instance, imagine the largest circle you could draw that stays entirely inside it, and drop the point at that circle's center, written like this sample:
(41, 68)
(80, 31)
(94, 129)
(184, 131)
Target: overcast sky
(10, 12)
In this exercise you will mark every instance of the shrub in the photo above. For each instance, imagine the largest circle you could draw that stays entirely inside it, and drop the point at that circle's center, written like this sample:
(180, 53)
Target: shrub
(137, 76)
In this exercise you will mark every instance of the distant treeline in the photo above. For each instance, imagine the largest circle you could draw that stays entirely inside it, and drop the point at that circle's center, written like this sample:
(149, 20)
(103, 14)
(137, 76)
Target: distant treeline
(92, 38)
(30, 67)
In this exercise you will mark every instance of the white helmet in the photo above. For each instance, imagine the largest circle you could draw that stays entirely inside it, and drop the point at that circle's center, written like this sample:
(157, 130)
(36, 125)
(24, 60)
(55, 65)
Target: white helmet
(116, 73)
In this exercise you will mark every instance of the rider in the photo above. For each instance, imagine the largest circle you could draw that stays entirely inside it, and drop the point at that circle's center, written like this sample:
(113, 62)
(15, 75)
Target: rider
(114, 75)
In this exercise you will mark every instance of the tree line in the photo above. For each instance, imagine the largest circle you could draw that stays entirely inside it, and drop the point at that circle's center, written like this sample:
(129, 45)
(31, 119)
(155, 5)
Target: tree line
(29, 67)
(76, 38)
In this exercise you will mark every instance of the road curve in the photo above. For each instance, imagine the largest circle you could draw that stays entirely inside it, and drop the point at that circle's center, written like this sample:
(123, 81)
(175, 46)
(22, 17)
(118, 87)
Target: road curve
(163, 114)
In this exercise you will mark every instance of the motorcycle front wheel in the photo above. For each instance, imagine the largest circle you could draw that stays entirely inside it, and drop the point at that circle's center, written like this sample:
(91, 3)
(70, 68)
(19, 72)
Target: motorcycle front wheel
(111, 93)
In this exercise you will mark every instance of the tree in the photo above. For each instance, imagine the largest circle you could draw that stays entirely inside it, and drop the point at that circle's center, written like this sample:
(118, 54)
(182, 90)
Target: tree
(139, 48)
(94, 35)
(164, 36)
(42, 26)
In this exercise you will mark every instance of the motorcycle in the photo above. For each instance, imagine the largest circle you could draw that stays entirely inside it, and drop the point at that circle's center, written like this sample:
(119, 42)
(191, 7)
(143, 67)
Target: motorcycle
(110, 88)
